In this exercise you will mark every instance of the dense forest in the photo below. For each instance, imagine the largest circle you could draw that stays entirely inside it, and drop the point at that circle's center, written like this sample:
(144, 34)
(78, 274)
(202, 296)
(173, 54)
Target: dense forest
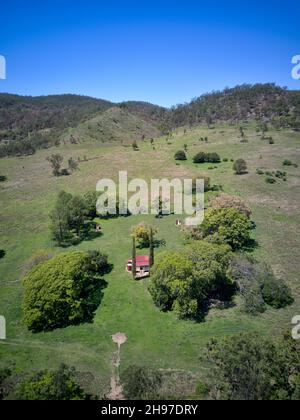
(29, 123)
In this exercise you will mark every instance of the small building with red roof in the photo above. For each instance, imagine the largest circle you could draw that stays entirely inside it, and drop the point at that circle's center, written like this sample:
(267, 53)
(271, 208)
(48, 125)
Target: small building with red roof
(142, 266)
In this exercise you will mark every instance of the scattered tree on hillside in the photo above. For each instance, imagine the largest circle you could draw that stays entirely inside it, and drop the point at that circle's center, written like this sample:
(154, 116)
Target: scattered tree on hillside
(141, 383)
(72, 165)
(56, 162)
(226, 201)
(180, 155)
(240, 167)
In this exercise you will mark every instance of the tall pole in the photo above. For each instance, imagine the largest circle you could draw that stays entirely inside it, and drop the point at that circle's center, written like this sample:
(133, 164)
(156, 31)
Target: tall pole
(151, 247)
(133, 258)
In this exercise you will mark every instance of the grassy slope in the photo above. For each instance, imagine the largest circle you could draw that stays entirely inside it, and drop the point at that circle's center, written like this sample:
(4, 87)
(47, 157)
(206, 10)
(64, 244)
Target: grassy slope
(154, 338)
(113, 125)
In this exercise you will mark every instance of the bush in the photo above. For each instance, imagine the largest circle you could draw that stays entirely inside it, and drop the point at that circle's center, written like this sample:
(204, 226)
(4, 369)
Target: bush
(228, 226)
(202, 389)
(226, 201)
(276, 293)
(240, 167)
(287, 162)
(200, 157)
(260, 172)
(141, 383)
(270, 180)
(59, 385)
(213, 158)
(3, 178)
(180, 155)
(63, 291)
(141, 233)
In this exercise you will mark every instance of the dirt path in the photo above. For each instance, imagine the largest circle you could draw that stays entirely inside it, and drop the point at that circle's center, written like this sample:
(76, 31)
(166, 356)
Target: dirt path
(116, 390)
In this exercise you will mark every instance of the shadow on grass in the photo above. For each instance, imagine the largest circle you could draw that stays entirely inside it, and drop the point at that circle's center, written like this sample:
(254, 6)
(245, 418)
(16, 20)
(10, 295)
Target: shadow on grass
(2, 254)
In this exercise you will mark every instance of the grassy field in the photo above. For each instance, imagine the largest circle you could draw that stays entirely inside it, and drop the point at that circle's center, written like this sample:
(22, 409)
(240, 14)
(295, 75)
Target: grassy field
(154, 338)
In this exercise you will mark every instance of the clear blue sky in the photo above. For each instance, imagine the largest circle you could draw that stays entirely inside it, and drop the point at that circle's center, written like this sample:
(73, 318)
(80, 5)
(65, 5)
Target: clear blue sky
(165, 52)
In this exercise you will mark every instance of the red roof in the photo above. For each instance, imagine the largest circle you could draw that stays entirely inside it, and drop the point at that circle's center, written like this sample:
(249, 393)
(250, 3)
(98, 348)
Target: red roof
(141, 260)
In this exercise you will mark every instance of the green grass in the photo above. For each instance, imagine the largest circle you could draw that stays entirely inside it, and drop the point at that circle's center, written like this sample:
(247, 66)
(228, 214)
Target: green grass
(154, 338)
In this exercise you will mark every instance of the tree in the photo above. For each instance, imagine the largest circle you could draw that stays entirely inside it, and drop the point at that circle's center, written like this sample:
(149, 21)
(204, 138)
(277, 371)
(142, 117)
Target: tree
(59, 385)
(226, 201)
(213, 158)
(72, 165)
(228, 226)
(63, 291)
(276, 293)
(200, 157)
(180, 155)
(60, 219)
(2, 253)
(141, 383)
(142, 233)
(183, 281)
(240, 167)
(90, 203)
(252, 367)
(77, 212)
(56, 161)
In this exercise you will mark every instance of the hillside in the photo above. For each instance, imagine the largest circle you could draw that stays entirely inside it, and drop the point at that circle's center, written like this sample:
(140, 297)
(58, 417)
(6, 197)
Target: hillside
(115, 124)
(246, 102)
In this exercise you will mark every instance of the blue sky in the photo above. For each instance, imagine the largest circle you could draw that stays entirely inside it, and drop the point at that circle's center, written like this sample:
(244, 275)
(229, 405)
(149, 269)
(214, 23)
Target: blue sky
(165, 52)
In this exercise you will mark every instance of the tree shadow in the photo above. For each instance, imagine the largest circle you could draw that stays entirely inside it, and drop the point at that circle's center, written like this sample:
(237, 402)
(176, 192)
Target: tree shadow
(2, 253)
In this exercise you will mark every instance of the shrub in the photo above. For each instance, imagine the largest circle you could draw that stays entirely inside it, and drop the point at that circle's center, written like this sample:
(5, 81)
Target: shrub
(240, 167)
(270, 180)
(226, 201)
(225, 160)
(200, 157)
(180, 155)
(287, 162)
(59, 385)
(202, 389)
(3, 178)
(63, 291)
(228, 226)
(276, 293)
(213, 158)
(141, 383)
(260, 172)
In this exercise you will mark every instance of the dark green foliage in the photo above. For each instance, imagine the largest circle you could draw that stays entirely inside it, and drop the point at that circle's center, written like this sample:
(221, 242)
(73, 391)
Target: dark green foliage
(63, 291)
(60, 219)
(228, 226)
(152, 246)
(260, 171)
(252, 367)
(90, 202)
(180, 155)
(202, 157)
(287, 162)
(133, 257)
(276, 293)
(240, 167)
(72, 165)
(2, 253)
(59, 385)
(141, 383)
(4, 375)
(201, 389)
(185, 282)
(3, 178)
(270, 180)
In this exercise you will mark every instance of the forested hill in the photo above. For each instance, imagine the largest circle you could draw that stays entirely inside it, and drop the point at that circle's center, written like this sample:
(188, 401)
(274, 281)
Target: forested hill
(28, 123)
(27, 113)
(246, 102)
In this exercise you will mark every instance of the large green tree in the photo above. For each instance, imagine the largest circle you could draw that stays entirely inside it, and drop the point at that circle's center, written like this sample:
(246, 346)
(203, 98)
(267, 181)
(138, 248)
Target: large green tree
(63, 291)
(184, 282)
(228, 226)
